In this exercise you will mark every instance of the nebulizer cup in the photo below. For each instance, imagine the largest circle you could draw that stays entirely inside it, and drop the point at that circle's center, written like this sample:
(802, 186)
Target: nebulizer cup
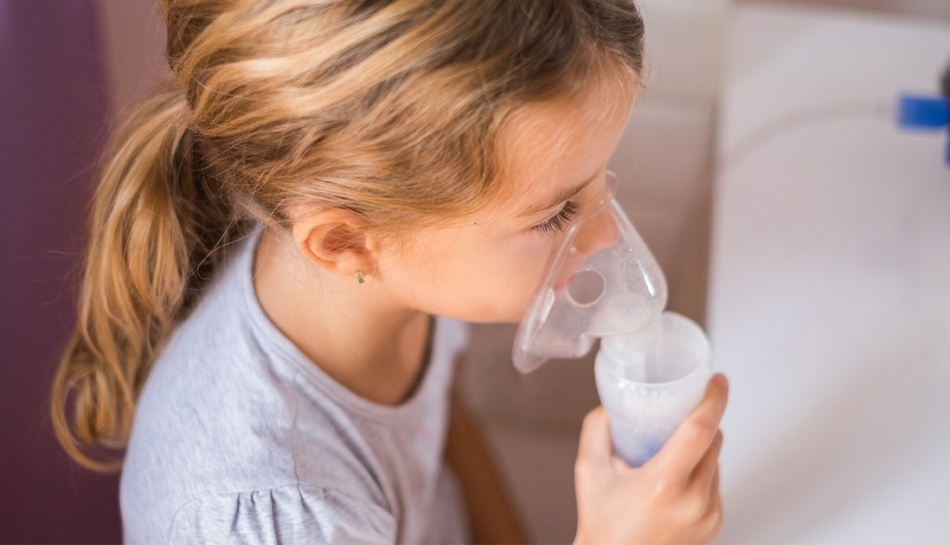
(649, 381)
(603, 282)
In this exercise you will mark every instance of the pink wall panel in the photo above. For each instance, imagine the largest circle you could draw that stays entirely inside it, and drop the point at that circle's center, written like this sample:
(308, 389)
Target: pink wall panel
(53, 108)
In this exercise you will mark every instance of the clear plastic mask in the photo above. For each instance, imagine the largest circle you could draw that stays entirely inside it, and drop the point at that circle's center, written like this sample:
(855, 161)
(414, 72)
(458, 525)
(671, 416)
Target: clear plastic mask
(602, 281)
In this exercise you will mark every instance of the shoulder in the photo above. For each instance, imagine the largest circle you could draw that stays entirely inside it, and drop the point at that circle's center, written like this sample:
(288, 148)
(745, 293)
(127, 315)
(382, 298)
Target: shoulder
(289, 514)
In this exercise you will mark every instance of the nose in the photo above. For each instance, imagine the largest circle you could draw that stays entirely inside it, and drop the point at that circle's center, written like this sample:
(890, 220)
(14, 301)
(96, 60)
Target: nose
(596, 232)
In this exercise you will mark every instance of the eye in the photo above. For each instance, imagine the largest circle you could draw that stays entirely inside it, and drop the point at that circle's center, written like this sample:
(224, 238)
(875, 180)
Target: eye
(559, 221)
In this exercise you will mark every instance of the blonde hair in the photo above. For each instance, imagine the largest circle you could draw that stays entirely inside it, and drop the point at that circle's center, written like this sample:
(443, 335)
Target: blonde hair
(389, 109)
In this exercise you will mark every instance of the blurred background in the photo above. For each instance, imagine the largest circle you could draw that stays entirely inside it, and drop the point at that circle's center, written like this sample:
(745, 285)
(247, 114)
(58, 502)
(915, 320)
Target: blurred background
(727, 81)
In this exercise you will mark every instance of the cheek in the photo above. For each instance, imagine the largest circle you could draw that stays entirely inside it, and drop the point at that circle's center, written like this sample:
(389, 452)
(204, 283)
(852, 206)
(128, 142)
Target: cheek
(507, 278)
(492, 285)
(470, 278)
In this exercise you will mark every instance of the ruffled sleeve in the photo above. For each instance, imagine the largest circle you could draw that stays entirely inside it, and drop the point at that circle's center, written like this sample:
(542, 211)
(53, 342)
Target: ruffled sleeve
(290, 514)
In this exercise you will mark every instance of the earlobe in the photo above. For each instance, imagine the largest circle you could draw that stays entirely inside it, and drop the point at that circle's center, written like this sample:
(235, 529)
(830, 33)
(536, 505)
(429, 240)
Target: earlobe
(335, 240)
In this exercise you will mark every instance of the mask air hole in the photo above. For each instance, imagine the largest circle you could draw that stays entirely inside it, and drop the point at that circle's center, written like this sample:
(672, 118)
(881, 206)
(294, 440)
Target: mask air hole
(586, 288)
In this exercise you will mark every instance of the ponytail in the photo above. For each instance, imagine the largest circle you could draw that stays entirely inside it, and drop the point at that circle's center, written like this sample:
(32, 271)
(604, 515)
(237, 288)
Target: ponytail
(155, 220)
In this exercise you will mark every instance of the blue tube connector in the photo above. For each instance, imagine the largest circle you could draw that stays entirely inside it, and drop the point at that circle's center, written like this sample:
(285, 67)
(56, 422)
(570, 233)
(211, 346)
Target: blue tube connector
(924, 112)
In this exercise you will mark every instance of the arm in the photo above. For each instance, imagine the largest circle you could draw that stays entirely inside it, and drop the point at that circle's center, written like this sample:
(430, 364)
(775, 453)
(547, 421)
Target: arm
(491, 514)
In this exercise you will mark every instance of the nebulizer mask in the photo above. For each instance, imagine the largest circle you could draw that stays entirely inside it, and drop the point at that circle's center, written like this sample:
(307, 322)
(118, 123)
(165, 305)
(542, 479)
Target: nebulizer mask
(603, 283)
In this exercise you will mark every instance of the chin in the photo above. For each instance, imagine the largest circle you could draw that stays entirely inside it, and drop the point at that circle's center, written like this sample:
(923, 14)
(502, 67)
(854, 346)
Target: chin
(503, 316)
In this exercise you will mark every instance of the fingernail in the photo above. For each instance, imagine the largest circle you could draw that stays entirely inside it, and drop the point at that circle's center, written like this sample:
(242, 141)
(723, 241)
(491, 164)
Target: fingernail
(721, 380)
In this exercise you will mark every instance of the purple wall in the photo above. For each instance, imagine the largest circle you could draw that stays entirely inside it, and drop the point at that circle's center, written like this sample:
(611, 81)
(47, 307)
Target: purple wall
(53, 111)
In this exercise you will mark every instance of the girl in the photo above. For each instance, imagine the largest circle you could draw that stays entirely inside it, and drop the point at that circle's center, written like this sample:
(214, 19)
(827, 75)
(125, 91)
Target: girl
(272, 233)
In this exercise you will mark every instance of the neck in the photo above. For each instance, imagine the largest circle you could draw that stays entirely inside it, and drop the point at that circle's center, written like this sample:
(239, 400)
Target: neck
(356, 333)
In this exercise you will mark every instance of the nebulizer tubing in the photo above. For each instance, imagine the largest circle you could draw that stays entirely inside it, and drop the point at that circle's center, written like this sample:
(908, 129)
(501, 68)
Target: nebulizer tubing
(603, 282)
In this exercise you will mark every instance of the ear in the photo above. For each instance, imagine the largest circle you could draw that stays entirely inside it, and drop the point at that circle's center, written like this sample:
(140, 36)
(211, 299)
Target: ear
(336, 240)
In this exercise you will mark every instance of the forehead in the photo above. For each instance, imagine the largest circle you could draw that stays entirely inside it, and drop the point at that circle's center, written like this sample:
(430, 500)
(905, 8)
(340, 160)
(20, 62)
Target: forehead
(544, 149)
(550, 146)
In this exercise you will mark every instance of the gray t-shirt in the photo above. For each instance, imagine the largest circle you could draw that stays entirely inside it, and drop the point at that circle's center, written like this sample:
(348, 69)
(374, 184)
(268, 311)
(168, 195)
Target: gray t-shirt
(240, 438)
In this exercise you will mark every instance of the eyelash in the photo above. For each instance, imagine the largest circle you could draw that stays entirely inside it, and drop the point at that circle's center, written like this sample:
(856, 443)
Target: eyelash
(560, 221)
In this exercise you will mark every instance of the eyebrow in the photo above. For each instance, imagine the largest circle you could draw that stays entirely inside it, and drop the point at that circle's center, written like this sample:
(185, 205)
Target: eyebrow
(560, 197)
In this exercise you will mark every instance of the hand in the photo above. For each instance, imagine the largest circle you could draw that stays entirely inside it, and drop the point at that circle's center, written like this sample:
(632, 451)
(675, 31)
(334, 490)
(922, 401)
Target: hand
(673, 498)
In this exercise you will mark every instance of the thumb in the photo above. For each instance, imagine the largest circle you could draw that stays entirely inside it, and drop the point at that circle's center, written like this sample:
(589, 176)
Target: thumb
(594, 451)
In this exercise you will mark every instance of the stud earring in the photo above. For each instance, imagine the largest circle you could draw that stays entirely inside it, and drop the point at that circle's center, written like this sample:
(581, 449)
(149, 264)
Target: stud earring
(359, 277)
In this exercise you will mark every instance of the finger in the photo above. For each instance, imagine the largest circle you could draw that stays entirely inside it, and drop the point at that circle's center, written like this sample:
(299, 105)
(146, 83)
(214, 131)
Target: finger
(709, 526)
(692, 439)
(716, 498)
(594, 450)
(714, 508)
(708, 465)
